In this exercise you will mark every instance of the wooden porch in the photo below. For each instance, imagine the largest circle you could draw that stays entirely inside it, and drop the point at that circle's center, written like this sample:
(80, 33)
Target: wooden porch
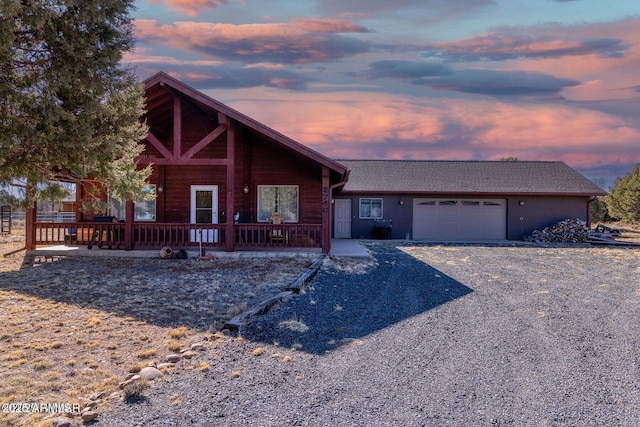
(118, 235)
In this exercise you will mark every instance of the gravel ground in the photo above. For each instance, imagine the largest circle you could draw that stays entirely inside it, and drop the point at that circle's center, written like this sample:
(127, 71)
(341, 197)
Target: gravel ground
(428, 335)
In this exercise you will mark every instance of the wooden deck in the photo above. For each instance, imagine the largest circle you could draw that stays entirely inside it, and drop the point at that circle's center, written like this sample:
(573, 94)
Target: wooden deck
(157, 235)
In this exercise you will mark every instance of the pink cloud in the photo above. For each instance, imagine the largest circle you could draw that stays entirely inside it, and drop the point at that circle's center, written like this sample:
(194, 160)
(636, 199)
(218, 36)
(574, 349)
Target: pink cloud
(298, 41)
(190, 7)
(360, 125)
(327, 26)
(604, 57)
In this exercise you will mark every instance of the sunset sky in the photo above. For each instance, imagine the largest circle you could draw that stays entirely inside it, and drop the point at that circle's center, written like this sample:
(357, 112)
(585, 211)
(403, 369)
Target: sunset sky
(415, 79)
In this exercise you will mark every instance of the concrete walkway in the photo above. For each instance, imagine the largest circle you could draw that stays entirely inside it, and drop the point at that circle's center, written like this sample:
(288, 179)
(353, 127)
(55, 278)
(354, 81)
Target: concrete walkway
(348, 248)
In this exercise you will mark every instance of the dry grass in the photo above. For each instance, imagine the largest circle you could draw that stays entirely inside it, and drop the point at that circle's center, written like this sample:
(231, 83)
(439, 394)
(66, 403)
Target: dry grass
(174, 399)
(147, 354)
(294, 325)
(135, 391)
(174, 346)
(176, 333)
(57, 347)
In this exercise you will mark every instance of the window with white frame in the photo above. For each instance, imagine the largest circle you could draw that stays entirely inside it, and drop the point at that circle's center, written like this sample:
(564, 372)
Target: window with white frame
(278, 198)
(145, 210)
(371, 208)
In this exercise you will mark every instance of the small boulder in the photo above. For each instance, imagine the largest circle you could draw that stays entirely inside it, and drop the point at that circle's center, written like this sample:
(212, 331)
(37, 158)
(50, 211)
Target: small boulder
(88, 416)
(96, 396)
(83, 401)
(173, 358)
(61, 422)
(150, 373)
(165, 365)
(189, 354)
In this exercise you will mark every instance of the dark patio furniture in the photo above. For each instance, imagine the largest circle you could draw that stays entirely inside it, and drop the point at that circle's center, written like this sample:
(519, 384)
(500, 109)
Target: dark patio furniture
(103, 234)
(382, 229)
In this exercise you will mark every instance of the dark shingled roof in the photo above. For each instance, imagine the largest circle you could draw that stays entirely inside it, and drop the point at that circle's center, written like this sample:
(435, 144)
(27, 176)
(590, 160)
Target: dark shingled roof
(476, 177)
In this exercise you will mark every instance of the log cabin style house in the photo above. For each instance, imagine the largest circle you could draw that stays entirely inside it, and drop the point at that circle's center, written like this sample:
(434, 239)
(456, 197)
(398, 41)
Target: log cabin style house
(225, 181)
(221, 180)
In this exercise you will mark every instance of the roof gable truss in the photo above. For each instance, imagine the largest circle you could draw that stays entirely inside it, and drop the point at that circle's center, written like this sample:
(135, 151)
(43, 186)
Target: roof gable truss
(177, 156)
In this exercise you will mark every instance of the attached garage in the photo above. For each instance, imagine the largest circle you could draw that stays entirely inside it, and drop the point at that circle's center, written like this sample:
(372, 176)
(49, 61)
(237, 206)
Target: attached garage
(445, 219)
(472, 201)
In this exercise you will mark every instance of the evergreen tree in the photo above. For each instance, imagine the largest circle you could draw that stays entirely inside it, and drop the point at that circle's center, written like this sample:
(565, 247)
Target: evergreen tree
(68, 109)
(599, 211)
(623, 203)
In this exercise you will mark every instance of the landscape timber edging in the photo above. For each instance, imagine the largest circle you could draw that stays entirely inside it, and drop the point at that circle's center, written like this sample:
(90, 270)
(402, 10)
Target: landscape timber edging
(295, 287)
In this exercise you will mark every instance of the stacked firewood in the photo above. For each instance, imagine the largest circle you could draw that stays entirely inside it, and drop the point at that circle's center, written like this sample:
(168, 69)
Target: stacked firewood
(566, 231)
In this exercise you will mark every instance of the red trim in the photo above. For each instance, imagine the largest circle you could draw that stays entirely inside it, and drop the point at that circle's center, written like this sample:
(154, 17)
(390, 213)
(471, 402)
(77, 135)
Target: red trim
(183, 162)
(155, 142)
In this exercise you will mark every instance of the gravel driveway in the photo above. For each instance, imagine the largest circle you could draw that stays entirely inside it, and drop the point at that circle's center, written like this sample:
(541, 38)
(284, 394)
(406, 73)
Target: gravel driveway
(428, 335)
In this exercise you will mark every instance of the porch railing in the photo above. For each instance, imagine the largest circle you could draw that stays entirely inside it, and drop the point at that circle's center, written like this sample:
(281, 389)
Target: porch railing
(80, 233)
(148, 235)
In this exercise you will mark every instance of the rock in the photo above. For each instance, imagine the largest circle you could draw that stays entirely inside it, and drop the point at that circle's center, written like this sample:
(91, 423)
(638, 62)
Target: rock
(125, 383)
(173, 358)
(152, 364)
(165, 365)
(96, 396)
(61, 422)
(150, 373)
(189, 354)
(92, 404)
(89, 416)
(197, 346)
(83, 401)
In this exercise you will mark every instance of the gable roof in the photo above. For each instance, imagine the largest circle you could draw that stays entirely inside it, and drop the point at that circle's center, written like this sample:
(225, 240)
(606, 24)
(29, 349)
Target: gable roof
(163, 81)
(461, 177)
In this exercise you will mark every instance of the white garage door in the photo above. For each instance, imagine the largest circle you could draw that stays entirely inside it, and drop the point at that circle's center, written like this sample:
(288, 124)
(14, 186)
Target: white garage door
(459, 219)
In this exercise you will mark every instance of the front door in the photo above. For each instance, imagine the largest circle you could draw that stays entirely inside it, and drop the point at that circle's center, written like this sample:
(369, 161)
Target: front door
(204, 210)
(342, 219)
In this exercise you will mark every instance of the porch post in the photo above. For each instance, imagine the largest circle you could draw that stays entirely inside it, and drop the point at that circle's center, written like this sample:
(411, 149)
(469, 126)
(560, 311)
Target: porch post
(231, 183)
(30, 227)
(326, 211)
(128, 225)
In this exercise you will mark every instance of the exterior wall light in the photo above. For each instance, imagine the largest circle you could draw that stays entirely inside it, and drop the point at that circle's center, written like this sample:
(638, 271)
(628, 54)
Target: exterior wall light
(160, 188)
(521, 202)
(401, 202)
(245, 189)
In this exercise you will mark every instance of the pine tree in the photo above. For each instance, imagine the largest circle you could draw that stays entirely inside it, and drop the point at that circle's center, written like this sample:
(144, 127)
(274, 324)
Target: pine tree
(623, 203)
(68, 109)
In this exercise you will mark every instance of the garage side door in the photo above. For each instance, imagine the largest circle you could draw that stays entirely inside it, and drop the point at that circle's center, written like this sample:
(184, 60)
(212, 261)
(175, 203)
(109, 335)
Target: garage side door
(459, 219)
